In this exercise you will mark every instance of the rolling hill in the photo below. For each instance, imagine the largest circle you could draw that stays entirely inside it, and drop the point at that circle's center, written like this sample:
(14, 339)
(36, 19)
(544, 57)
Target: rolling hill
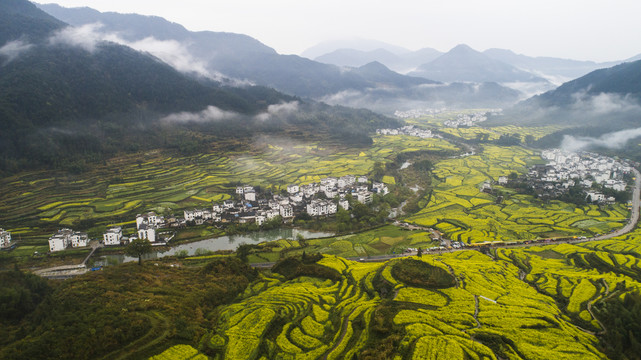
(66, 100)
(232, 55)
(463, 63)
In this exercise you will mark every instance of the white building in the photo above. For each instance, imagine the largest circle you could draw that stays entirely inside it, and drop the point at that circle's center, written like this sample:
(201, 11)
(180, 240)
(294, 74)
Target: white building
(292, 189)
(149, 219)
(380, 188)
(66, 238)
(321, 208)
(270, 214)
(595, 196)
(260, 219)
(57, 243)
(79, 239)
(189, 215)
(502, 180)
(362, 180)
(240, 190)
(286, 211)
(112, 236)
(147, 233)
(345, 181)
(5, 238)
(250, 195)
(344, 204)
(296, 197)
(364, 197)
(228, 204)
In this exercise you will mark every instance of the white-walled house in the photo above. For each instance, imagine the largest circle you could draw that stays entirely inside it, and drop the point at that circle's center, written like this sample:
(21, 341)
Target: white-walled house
(150, 219)
(5, 238)
(112, 236)
(189, 215)
(148, 233)
(292, 189)
(286, 211)
(250, 195)
(364, 197)
(57, 243)
(66, 238)
(79, 239)
(344, 204)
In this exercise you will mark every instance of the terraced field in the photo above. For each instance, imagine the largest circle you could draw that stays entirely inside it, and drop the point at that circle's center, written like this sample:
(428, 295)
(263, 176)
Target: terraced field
(115, 191)
(458, 208)
(380, 241)
(494, 133)
(490, 313)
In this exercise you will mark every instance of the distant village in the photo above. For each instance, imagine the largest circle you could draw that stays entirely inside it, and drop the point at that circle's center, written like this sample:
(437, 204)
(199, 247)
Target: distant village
(409, 130)
(567, 169)
(416, 113)
(470, 119)
(315, 199)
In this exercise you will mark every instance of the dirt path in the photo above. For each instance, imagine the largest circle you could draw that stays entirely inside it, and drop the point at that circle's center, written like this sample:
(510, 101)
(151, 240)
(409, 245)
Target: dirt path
(476, 311)
(341, 337)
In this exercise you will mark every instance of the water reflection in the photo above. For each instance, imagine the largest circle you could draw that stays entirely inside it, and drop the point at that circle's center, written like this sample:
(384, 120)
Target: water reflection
(220, 243)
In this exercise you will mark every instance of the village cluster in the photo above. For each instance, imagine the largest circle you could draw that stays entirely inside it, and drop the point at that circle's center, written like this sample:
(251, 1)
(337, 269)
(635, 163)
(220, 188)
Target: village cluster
(417, 113)
(469, 119)
(409, 130)
(566, 169)
(315, 199)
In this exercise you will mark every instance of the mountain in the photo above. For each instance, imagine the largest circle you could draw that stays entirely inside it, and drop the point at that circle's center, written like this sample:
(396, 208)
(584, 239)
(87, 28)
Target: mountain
(549, 67)
(16, 21)
(402, 63)
(361, 45)
(67, 99)
(623, 80)
(463, 63)
(382, 76)
(232, 55)
(601, 102)
(356, 58)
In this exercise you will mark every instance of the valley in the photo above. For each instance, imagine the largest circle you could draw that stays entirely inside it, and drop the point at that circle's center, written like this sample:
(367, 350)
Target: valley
(178, 189)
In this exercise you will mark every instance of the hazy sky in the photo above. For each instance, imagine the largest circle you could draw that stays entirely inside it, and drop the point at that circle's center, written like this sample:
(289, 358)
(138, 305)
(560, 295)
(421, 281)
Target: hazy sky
(577, 29)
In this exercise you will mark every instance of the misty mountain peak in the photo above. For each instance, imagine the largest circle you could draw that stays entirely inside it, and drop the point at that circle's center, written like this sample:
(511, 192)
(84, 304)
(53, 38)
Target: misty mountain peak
(463, 49)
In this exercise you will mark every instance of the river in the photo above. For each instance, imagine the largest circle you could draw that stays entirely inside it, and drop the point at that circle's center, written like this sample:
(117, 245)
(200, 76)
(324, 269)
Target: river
(219, 243)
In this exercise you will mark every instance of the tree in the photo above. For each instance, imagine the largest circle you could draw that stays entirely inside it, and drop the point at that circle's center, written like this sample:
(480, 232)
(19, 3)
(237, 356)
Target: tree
(419, 253)
(138, 248)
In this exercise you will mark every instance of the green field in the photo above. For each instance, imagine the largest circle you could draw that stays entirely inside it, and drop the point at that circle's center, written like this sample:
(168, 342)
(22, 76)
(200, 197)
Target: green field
(116, 191)
(380, 241)
(459, 209)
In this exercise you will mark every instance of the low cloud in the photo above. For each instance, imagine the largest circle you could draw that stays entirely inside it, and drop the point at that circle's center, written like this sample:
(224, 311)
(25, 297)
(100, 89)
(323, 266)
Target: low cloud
(613, 140)
(604, 103)
(278, 110)
(13, 49)
(172, 52)
(85, 37)
(209, 115)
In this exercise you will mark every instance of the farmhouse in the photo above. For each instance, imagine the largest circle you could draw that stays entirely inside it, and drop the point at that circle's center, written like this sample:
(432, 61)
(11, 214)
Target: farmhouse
(5, 238)
(67, 238)
(321, 207)
(112, 236)
(147, 233)
(364, 197)
(149, 219)
(286, 211)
